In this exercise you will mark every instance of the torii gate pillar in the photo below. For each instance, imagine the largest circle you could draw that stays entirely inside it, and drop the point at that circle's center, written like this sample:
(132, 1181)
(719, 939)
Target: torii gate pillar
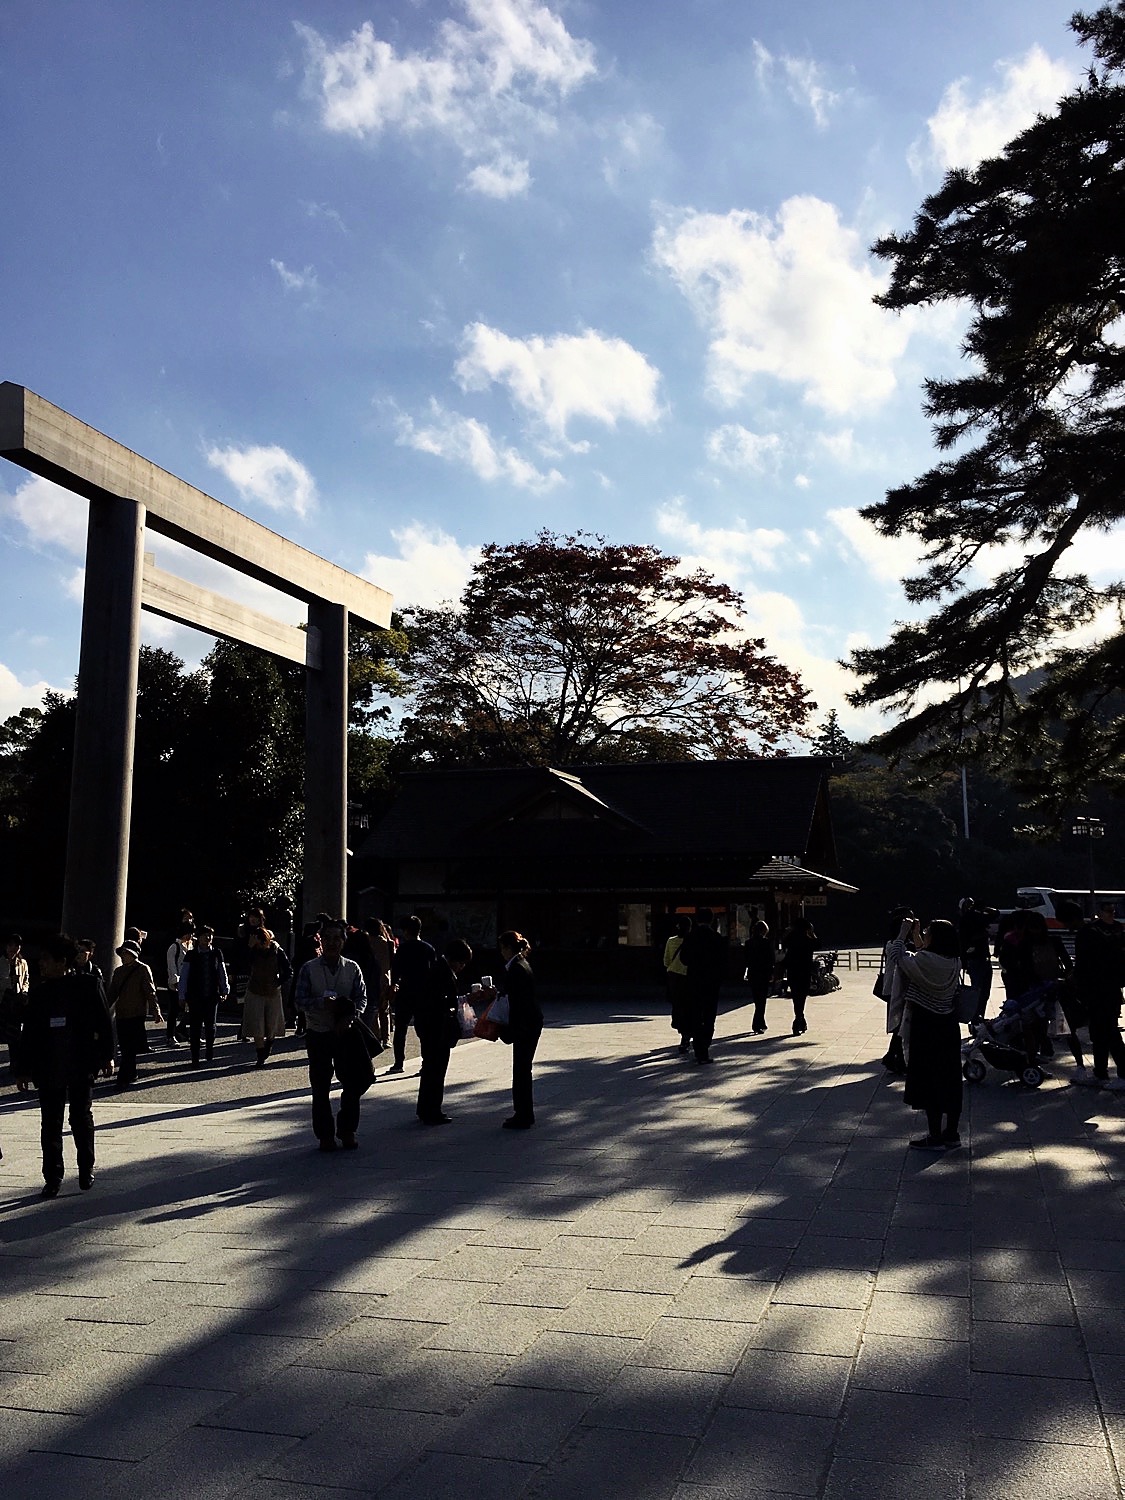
(326, 764)
(101, 787)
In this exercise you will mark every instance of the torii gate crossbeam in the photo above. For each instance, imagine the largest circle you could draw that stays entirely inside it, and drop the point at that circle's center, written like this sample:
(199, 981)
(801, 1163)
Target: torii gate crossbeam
(127, 493)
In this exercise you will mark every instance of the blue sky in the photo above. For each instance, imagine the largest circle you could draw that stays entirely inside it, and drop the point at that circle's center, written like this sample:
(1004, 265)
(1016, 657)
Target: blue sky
(403, 279)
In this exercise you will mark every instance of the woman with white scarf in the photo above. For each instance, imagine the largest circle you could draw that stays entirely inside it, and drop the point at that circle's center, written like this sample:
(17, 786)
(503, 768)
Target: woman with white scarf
(928, 982)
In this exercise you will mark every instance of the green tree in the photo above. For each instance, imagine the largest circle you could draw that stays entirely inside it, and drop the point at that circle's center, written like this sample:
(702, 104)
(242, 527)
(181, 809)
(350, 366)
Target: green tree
(567, 648)
(1031, 242)
(831, 742)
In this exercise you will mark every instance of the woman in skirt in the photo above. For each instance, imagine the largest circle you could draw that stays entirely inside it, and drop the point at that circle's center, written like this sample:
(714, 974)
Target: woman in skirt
(931, 1034)
(263, 1011)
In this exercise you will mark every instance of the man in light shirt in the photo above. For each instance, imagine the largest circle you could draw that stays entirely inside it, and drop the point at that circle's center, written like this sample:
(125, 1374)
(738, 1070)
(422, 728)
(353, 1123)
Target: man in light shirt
(330, 991)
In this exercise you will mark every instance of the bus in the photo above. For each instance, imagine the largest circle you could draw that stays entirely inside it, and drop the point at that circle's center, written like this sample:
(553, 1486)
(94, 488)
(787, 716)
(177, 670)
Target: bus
(1047, 900)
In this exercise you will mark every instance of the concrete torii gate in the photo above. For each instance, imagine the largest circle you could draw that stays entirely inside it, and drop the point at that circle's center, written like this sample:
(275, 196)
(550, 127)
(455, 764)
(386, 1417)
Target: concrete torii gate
(126, 494)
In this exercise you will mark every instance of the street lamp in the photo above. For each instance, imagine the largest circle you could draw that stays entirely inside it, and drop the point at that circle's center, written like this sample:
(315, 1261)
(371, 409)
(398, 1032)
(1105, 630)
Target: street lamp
(1089, 828)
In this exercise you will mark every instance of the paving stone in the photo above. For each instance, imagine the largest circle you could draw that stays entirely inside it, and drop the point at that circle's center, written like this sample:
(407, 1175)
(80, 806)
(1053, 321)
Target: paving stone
(471, 1263)
(232, 1362)
(851, 1479)
(435, 1380)
(427, 1301)
(204, 1463)
(312, 1314)
(628, 1314)
(929, 1431)
(918, 1366)
(919, 1316)
(1089, 1254)
(772, 1380)
(1097, 1288)
(137, 1422)
(368, 1346)
(826, 1252)
(645, 1399)
(1011, 1349)
(1109, 1377)
(731, 1299)
(488, 1329)
(685, 1344)
(458, 1476)
(1023, 1267)
(515, 1423)
(574, 1252)
(1019, 1470)
(293, 1402)
(358, 1449)
(1002, 1302)
(808, 1330)
(1038, 1408)
(571, 1362)
(818, 1288)
(640, 1273)
(603, 1464)
(538, 1288)
(524, 1234)
(765, 1450)
(1103, 1329)
(40, 1475)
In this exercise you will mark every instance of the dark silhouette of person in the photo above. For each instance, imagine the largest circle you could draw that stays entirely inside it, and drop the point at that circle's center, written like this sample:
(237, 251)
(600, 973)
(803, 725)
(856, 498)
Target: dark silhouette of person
(524, 1026)
(67, 1040)
(410, 967)
(704, 956)
(435, 1021)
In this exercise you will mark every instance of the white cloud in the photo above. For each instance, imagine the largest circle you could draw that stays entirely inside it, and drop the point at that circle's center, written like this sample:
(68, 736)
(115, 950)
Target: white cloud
(505, 177)
(267, 475)
(632, 140)
(788, 298)
(730, 552)
(51, 516)
(15, 694)
(464, 440)
(803, 79)
(565, 377)
(431, 567)
(484, 85)
(964, 130)
(886, 558)
(296, 281)
(736, 447)
(328, 213)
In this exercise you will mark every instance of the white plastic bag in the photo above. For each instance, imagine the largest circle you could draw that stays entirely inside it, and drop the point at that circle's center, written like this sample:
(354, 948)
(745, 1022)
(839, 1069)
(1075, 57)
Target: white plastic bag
(466, 1018)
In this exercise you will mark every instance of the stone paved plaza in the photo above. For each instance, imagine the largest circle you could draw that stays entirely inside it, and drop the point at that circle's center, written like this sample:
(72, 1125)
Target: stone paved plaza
(686, 1283)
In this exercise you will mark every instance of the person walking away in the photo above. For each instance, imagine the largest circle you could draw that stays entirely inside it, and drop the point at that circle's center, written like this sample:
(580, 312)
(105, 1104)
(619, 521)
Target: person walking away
(891, 987)
(704, 956)
(203, 983)
(931, 978)
(524, 1026)
(409, 968)
(1099, 970)
(132, 1001)
(761, 961)
(383, 945)
(799, 944)
(677, 982)
(973, 923)
(68, 1040)
(358, 946)
(307, 948)
(263, 1011)
(15, 979)
(177, 951)
(435, 1021)
(330, 990)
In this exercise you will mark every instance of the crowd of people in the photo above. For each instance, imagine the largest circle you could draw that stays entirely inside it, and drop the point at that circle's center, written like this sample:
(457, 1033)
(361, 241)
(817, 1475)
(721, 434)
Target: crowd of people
(351, 990)
(937, 977)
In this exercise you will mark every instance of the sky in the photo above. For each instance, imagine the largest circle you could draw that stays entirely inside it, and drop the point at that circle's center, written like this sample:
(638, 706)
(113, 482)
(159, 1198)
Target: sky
(402, 279)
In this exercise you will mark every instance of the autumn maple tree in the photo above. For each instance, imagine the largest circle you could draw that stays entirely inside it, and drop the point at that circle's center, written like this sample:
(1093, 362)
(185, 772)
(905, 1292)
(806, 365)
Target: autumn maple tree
(565, 649)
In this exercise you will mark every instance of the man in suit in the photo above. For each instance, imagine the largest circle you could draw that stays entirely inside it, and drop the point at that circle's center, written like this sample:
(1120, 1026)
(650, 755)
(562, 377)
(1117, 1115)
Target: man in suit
(435, 1021)
(704, 956)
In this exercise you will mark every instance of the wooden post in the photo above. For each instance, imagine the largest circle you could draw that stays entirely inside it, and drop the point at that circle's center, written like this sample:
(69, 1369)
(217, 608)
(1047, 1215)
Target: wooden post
(101, 790)
(326, 764)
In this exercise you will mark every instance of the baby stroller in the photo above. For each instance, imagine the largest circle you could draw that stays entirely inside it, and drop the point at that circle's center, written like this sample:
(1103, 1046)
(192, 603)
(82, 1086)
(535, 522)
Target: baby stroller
(824, 981)
(1016, 1039)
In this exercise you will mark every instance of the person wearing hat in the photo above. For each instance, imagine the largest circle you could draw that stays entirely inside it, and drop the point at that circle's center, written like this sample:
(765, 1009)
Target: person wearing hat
(132, 999)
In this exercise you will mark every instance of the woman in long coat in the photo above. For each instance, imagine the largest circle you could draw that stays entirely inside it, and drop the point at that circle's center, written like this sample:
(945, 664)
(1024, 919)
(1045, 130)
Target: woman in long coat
(799, 944)
(524, 1025)
(263, 1010)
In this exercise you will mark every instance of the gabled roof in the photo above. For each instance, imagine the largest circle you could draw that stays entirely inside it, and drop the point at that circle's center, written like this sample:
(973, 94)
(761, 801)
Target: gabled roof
(739, 808)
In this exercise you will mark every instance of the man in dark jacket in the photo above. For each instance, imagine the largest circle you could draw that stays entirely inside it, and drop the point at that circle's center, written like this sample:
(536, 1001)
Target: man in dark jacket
(435, 1021)
(1099, 971)
(68, 1039)
(410, 970)
(704, 956)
